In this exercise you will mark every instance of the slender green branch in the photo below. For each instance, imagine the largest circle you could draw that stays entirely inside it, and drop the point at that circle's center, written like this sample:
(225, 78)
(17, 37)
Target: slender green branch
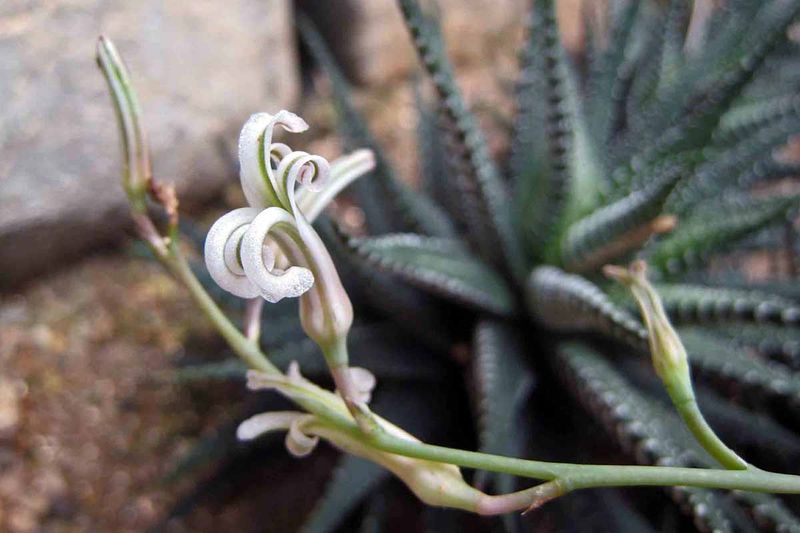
(573, 476)
(245, 348)
(682, 395)
(579, 476)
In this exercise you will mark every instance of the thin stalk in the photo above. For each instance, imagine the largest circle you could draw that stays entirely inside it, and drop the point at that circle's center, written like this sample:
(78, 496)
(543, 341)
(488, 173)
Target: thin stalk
(245, 348)
(252, 319)
(578, 476)
(573, 476)
(682, 396)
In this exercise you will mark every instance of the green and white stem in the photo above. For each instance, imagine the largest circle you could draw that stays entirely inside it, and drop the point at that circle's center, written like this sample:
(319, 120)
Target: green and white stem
(252, 252)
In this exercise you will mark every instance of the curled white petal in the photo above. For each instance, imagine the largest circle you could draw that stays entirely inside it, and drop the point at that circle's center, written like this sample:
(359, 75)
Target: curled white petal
(298, 442)
(272, 286)
(311, 171)
(343, 172)
(221, 244)
(255, 145)
(257, 425)
(278, 151)
(364, 382)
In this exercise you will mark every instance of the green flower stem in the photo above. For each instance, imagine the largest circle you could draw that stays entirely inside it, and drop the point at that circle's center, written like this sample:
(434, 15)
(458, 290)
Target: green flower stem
(248, 350)
(579, 476)
(682, 395)
(245, 348)
(572, 476)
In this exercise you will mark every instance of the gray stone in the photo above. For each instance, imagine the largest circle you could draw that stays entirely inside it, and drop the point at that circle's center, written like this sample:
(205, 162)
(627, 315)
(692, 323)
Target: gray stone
(200, 68)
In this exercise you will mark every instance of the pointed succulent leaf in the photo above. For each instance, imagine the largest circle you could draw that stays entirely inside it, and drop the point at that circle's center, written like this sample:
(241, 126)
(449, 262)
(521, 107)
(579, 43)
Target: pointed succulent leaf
(745, 120)
(705, 233)
(503, 381)
(528, 160)
(767, 170)
(441, 266)
(481, 191)
(353, 480)
(772, 342)
(413, 310)
(612, 69)
(569, 302)
(723, 360)
(386, 201)
(721, 172)
(672, 46)
(648, 37)
(706, 108)
(621, 226)
(552, 179)
(700, 111)
(435, 176)
(697, 303)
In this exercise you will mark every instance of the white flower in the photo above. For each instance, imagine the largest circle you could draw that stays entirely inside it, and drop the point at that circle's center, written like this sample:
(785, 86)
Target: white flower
(297, 441)
(270, 249)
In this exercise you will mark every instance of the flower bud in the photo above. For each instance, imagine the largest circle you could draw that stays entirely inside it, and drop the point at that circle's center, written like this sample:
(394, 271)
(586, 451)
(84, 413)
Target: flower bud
(137, 175)
(669, 356)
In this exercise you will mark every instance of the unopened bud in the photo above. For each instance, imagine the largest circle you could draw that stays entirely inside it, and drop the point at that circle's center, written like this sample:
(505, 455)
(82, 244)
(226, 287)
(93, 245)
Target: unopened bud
(669, 355)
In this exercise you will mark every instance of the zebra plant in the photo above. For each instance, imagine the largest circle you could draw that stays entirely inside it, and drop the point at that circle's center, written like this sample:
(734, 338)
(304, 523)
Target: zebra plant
(661, 151)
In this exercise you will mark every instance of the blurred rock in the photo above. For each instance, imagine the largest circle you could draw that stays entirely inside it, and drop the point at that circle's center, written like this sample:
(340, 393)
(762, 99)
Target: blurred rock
(200, 68)
(374, 47)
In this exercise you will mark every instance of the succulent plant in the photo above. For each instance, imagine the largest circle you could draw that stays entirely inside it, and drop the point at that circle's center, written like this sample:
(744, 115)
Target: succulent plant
(661, 148)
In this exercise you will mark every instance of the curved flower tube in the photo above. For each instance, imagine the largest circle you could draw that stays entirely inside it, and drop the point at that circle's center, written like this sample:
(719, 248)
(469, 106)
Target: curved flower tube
(256, 152)
(258, 260)
(221, 249)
